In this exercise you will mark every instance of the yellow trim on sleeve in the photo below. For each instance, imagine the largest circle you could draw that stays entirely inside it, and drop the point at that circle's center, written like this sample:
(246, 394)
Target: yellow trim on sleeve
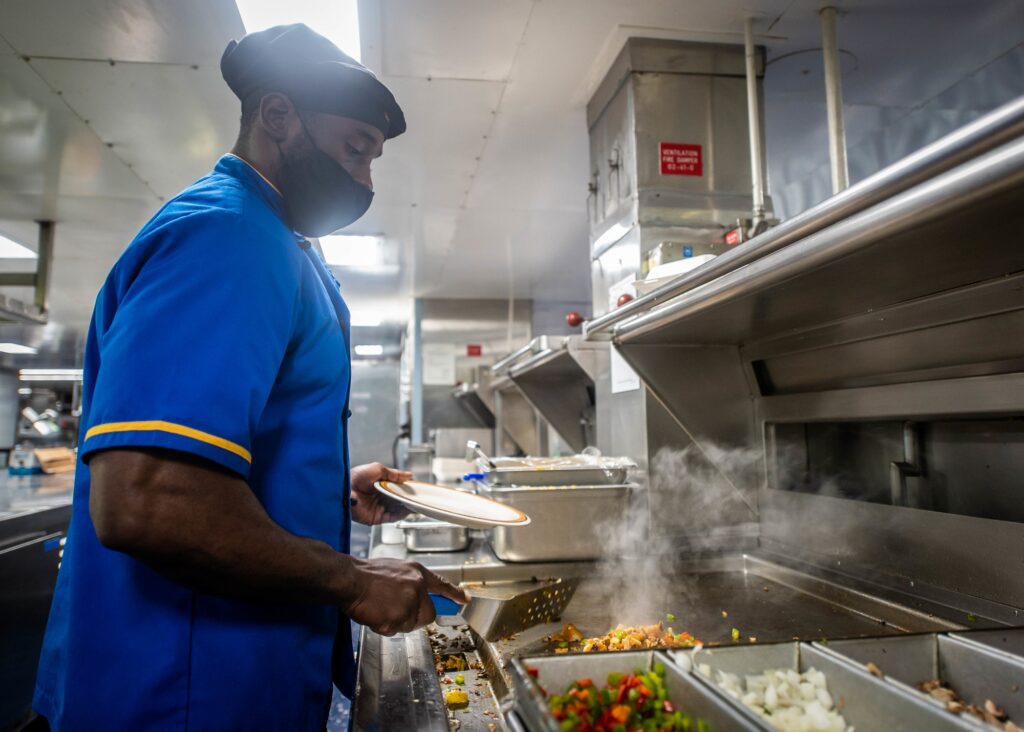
(156, 425)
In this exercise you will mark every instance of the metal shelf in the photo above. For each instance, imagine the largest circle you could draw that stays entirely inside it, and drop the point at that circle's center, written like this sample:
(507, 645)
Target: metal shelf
(559, 382)
(955, 230)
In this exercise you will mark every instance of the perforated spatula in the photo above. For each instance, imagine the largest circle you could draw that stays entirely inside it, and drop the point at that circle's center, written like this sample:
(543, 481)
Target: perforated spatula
(498, 610)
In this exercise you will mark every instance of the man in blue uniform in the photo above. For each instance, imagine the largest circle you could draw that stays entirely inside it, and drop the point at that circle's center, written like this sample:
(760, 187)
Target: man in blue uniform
(206, 583)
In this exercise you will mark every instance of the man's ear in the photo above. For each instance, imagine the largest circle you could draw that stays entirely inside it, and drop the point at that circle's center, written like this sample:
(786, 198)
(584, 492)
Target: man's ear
(276, 115)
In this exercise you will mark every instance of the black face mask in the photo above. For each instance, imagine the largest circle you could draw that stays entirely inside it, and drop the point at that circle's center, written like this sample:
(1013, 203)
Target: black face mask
(320, 196)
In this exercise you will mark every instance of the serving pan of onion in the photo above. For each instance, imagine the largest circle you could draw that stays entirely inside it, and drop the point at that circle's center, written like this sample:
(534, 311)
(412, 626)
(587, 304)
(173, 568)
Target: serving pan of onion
(795, 687)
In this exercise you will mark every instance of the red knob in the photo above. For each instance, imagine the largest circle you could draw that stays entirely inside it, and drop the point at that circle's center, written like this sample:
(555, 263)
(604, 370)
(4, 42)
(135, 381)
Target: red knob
(623, 299)
(574, 319)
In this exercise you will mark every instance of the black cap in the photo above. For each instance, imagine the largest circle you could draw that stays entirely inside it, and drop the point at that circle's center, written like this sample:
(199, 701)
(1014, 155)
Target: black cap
(315, 74)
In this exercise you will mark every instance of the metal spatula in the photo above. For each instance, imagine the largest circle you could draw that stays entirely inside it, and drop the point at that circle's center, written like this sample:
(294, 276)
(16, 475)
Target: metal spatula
(500, 609)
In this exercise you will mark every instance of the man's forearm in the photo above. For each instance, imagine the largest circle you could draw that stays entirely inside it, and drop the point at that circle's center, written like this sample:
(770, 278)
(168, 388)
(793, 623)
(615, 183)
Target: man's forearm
(204, 527)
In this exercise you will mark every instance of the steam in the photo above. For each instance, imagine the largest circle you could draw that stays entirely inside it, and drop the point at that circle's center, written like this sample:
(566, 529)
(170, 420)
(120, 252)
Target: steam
(698, 496)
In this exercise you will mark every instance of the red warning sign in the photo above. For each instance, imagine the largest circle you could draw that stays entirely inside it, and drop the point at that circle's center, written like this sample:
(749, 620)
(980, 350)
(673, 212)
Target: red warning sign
(474, 349)
(680, 159)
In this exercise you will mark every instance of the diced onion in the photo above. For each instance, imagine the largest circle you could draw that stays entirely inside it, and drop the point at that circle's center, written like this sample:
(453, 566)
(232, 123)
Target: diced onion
(787, 700)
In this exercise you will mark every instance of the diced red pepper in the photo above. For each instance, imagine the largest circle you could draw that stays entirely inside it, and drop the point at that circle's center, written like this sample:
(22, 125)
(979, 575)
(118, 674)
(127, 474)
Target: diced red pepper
(620, 713)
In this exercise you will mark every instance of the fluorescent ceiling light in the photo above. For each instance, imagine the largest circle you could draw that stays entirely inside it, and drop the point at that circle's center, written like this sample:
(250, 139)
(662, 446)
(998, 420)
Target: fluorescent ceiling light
(50, 374)
(367, 350)
(366, 319)
(338, 20)
(16, 348)
(10, 249)
(343, 250)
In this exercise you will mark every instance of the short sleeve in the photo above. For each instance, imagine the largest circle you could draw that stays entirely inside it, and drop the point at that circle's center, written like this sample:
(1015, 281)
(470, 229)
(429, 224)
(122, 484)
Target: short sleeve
(191, 341)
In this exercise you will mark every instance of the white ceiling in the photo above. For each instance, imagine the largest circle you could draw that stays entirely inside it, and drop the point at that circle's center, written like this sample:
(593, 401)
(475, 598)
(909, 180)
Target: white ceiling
(485, 194)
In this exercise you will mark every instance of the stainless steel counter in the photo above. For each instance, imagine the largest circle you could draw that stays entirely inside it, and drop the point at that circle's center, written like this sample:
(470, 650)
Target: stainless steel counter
(21, 494)
(34, 514)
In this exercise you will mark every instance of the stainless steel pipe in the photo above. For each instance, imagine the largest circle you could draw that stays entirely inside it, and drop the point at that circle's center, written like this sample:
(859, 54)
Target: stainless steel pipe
(503, 364)
(834, 101)
(44, 266)
(970, 141)
(757, 190)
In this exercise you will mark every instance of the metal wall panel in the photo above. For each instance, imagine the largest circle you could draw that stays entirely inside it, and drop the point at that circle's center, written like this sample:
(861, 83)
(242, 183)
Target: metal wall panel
(8, 408)
(455, 324)
(374, 404)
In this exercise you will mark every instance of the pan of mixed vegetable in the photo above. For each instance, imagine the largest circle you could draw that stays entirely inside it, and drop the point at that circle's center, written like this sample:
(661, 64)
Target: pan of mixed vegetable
(632, 701)
(631, 691)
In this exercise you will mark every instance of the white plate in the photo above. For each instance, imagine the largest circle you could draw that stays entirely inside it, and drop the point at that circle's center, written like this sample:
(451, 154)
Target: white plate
(454, 506)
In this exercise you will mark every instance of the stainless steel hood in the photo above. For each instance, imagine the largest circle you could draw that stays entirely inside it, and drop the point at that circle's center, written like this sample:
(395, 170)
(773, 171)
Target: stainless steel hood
(877, 365)
(558, 380)
(515, 420)
(469, 397)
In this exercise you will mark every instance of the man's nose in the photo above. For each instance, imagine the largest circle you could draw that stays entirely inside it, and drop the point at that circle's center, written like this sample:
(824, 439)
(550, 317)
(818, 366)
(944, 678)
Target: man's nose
(362, 175)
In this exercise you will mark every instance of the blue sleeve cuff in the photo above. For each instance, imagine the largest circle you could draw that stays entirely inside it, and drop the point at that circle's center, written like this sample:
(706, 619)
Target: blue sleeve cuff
(171, 436)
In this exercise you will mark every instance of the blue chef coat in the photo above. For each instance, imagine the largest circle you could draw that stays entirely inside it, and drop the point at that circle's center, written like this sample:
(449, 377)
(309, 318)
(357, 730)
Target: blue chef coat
(218, 333)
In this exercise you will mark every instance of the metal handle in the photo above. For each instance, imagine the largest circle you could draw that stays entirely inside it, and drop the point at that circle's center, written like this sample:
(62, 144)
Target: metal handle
(473, 451)
(514, 723)
(909, 467)
(510, 359)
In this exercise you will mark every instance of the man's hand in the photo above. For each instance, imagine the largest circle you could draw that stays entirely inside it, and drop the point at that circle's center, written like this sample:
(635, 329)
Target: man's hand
(394, 595)
(368, 505)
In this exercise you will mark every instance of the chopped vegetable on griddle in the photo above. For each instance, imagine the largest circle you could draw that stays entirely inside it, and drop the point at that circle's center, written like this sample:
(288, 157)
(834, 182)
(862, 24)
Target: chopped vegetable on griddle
(623, 638)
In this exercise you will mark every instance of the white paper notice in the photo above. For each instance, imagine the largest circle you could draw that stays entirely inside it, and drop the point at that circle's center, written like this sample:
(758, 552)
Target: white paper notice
(624, 378)
(438, 364)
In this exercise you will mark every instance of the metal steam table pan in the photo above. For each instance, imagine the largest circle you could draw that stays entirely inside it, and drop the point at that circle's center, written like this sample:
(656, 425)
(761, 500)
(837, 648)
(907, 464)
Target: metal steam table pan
(427, 535)
(976, 673)
(866, 703)
(556, 673)
(557, 471)
(566, 523)
(1007, 640)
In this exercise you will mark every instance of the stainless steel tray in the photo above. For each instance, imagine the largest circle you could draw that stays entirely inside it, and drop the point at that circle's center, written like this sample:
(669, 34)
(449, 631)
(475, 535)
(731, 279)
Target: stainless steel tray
(1007, 640)
(566, 523)
(557, 672)
(555, 472)
(867, 703)
(974, 672)
(427, 535)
